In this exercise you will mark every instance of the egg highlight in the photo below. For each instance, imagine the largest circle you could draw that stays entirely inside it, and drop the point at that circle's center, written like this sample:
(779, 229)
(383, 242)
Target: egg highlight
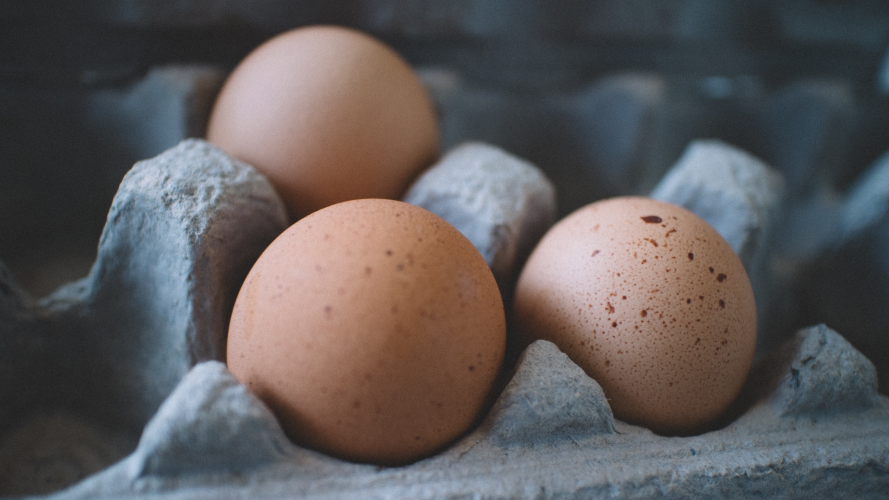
(651, 302)
(373, 329)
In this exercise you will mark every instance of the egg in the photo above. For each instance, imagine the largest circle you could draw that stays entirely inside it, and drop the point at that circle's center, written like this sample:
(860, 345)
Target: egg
(328, 114)
(373, 329)
(651, 302)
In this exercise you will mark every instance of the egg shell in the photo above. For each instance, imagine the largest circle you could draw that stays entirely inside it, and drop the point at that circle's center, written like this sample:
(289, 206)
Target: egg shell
(328, 114)
(373, 329)
(651, 302)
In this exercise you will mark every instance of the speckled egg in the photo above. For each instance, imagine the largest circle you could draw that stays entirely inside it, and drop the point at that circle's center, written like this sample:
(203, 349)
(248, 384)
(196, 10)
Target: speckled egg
(651, 302)
(373, 329)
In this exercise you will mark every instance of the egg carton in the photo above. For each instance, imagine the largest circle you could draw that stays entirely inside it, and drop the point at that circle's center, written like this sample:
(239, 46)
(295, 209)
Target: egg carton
(123, 367)
(610, 135)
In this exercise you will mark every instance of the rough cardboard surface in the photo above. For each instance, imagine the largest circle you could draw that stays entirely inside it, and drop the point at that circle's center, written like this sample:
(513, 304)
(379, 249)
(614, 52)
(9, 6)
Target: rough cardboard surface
(549, 399)
(826, 374)
(501, 203)
(61, 174)
(766, 453)
(211, 422)
(183, 231)
(151, 311)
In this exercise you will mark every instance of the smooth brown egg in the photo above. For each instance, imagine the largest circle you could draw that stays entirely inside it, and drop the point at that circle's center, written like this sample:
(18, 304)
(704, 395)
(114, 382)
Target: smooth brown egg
(328, 114)
(651, 302)
(373, 329)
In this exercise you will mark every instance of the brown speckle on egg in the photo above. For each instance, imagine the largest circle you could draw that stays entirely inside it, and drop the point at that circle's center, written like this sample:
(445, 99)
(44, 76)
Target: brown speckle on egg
(695, 359)
(348, 358)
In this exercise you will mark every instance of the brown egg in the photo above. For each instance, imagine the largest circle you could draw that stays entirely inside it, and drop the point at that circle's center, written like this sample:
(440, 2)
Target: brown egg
(373, 329)
(651, 302)
(328, 114)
